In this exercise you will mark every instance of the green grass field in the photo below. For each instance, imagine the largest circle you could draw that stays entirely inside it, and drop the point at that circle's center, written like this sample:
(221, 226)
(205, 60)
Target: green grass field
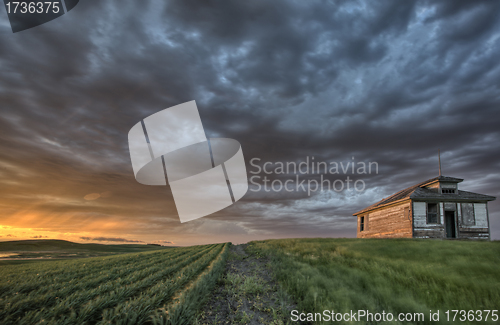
(162, 287)
(391, 275)
(170, 286)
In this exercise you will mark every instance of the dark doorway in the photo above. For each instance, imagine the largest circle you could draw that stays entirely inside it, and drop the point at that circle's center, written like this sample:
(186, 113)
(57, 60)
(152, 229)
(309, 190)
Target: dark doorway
(449, 217)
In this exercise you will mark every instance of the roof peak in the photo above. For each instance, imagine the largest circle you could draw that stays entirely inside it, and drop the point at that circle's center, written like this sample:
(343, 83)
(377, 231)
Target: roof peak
(441, 179)
(421, 187)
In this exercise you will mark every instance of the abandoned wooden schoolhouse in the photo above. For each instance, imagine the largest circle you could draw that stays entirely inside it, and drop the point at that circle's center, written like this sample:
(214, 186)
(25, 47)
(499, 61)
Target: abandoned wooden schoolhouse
(435, 208)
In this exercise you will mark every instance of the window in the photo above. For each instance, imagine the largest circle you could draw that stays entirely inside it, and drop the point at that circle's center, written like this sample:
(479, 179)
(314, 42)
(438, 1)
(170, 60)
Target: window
(432, 213)
(361, 223)
(468, 218)
(407, 213)
(448, 190)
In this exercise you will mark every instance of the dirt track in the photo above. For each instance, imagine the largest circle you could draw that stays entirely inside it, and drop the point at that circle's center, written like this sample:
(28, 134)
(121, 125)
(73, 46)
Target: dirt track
(246, 294)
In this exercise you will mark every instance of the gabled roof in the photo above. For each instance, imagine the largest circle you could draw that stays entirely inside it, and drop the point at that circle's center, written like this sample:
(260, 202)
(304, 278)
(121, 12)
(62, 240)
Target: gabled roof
(418, 191)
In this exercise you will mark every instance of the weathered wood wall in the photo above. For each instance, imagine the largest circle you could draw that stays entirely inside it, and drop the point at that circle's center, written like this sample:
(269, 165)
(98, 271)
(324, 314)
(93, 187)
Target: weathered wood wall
(420, 227)
(389, 222)
(449, 185)
(478, 230)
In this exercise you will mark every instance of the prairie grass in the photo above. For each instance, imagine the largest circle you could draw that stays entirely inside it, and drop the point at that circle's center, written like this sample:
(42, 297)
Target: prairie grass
(392, 275)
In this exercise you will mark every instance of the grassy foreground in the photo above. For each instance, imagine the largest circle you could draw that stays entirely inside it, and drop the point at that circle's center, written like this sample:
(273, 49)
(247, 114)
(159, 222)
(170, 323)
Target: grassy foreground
(395, 275)
(158, 287)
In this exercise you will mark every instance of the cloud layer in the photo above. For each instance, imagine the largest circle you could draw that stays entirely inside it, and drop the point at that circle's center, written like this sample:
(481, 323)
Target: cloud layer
(389, 82)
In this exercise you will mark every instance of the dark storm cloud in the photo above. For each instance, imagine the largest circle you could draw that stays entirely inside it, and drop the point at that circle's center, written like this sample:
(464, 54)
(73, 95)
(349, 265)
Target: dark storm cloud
(390, 82)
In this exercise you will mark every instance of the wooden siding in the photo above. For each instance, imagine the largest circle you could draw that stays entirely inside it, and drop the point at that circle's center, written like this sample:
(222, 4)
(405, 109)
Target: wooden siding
(473, 233)
(441, 210)
(388, 222)
(480, 228)
(420, 227)
(481, 215)
(450, 206)
(449, 185)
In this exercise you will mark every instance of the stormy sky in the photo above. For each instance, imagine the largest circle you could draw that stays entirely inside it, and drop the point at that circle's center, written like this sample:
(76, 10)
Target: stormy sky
(389, 82)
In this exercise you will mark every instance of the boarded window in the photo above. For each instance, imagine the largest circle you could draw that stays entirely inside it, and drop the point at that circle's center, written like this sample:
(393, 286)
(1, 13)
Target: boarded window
(407, 213)
(468, 214)
(361, 223)
(432, 213)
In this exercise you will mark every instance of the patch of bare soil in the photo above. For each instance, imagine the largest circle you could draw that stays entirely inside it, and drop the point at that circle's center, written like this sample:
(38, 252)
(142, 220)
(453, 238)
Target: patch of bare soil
(246, 294)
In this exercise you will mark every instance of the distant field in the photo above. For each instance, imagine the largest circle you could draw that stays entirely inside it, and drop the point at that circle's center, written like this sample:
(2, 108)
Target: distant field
(27, 251)
(391, 275)
(162, 286)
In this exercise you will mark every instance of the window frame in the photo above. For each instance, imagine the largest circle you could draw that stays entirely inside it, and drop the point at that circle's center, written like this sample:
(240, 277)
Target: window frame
(438, 219)
(362, 224)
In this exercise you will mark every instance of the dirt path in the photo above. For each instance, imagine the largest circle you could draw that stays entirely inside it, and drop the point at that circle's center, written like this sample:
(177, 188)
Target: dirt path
(246, 294)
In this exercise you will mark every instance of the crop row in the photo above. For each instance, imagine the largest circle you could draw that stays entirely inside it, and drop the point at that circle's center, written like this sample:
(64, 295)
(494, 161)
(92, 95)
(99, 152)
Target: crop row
(77, 298)
(182, 310)
(14, 273)
(73, 293)
(39, 283)
(58, 270)
(171, 292)
(91, 312)
(37, 286)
